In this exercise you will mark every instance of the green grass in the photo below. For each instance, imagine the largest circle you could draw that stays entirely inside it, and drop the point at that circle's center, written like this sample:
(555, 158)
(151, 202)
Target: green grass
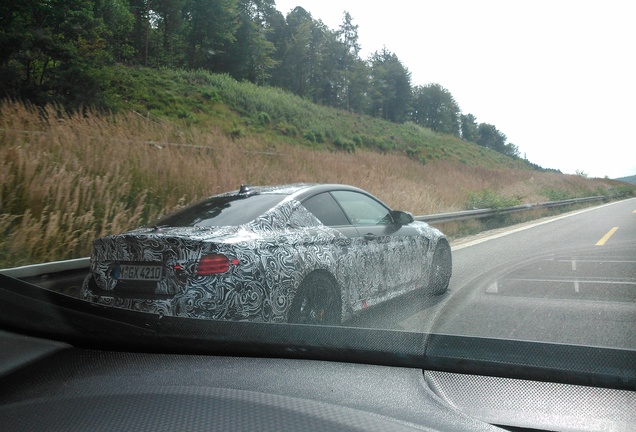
(240, 109)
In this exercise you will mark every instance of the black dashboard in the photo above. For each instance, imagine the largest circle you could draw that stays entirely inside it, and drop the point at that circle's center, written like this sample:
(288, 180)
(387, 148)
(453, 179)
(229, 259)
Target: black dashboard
(51, 386)
(72, 366)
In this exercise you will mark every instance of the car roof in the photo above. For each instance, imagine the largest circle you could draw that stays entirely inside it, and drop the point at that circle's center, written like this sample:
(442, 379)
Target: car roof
(297, 190)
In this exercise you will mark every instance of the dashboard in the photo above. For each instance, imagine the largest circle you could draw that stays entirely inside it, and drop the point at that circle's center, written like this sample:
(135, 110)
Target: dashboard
(53, 386)
(70, 365)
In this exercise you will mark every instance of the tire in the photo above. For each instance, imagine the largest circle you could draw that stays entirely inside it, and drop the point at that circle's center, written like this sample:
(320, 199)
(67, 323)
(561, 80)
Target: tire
(441, 268)
(317, 301)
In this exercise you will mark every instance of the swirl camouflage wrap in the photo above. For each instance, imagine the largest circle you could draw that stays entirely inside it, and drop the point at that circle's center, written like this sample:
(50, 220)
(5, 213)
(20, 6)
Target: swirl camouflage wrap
(254, 270)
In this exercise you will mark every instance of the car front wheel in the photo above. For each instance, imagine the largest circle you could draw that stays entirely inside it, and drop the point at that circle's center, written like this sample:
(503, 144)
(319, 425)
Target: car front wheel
(441, 269)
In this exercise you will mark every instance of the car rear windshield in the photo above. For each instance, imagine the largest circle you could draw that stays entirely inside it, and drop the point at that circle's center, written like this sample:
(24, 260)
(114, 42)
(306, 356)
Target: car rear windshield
(230, 210)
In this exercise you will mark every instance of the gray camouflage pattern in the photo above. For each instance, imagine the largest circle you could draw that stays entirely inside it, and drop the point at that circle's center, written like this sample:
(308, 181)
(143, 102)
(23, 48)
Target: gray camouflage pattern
(275, 253)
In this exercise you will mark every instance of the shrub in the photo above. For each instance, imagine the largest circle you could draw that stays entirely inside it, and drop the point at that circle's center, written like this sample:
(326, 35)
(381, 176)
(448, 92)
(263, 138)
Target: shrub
(236, 132)
(490, 199)
(264, 119)
(344, 144)
(287, 129)
(556, 195)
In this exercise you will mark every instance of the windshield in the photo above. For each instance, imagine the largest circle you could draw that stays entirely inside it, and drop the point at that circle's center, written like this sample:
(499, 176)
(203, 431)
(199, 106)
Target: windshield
(446, 168)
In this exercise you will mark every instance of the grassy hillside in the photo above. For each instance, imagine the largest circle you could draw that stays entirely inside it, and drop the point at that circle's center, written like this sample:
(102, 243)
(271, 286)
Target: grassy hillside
(240, 109)
(67, 179)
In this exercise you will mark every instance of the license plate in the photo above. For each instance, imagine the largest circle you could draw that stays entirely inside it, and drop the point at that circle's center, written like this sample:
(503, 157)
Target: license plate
(139, 272)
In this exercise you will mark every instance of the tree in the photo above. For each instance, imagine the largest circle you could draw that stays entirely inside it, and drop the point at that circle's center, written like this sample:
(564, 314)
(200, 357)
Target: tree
(327, 79)
(390, 87)
(469, 128)
(512, 150)
(348, 36)
(169, 20)
(490, 137)
(278, 35)
(51, 49)
(210, 29)
(118, 21)
(435, 108)
(318, 63)
(293, 74)
(140, 9)
(250, 56)
(358, 88)
(308, 62)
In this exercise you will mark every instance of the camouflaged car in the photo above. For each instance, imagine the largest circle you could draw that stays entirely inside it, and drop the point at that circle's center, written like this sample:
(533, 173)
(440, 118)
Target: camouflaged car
(302, 253)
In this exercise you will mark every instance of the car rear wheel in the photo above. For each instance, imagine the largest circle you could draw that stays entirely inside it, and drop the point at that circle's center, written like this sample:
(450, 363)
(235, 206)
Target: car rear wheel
(441, 269)
(316, 302)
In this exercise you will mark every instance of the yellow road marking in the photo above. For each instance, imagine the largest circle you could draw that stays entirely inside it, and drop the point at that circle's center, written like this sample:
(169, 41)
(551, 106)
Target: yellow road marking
(606, 237)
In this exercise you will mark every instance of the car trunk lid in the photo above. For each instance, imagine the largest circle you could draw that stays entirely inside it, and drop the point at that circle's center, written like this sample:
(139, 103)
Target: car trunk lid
(151, 262)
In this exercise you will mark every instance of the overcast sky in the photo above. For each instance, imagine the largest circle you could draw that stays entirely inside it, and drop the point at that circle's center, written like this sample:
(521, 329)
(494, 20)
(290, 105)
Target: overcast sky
(556, 77)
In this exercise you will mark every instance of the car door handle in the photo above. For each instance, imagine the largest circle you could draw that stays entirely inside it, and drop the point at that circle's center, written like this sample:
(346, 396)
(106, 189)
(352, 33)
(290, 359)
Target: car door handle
(370, 236)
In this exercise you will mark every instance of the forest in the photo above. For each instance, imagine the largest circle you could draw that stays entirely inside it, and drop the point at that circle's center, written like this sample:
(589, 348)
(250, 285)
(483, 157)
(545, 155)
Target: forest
(56, 51)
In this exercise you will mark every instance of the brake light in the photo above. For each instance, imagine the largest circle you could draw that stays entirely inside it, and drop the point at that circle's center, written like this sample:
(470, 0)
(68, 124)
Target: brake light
(214, 264)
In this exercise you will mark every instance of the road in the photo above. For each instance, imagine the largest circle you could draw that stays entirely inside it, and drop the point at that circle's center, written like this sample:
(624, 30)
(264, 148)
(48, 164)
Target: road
(567, 279)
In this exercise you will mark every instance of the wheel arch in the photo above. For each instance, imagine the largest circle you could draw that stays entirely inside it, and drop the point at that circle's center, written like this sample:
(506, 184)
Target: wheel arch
(334, 286)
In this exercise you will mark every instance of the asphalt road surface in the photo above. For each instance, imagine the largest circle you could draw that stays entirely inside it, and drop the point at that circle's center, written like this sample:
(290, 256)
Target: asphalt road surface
(567, 279)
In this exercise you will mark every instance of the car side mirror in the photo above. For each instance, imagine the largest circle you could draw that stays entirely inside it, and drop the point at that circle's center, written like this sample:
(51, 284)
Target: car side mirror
(402, 217)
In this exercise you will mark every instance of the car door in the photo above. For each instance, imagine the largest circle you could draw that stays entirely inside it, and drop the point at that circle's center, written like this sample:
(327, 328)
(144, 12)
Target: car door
(352, 270)
(386, 249)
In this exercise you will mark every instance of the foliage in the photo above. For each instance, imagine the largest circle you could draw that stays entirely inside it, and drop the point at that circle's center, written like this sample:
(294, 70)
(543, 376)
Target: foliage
(51, 48)
(622, 191)
(469, 128)
(435, 108)
(489, 199)
(557, 195)
(581, 173)
(390, 85)
(345, 144)
(210, 26)
(54, 51)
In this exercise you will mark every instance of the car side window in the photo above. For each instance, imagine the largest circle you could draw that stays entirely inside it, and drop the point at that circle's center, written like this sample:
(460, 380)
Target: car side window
(326, 209)
(362, 209)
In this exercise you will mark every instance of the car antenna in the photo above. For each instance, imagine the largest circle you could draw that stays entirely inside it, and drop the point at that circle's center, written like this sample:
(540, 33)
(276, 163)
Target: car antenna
(244, 189)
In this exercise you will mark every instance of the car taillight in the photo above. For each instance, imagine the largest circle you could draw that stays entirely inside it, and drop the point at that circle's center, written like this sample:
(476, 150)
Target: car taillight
(214, 264)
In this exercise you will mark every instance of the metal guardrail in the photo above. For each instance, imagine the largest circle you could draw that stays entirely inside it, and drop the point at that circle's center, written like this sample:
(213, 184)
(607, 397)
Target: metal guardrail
(45, 268)
(83, 263)
(483, 213)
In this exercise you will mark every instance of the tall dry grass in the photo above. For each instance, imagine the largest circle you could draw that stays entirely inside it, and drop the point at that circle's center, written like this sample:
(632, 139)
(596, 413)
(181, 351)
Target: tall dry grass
(68, 179)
